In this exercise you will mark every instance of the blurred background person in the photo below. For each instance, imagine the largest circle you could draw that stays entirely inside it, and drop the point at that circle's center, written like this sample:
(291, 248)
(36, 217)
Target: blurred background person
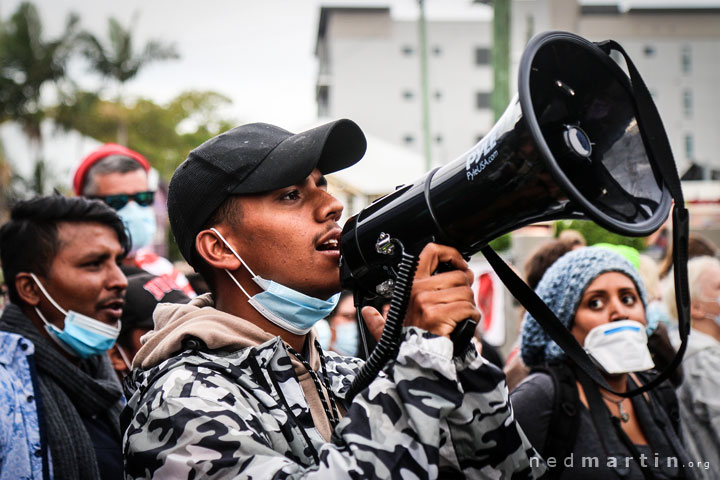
(658, 319)
(599, 296)
(344, 332)
(698, 245)
(119, 177)
(572, 238)
(699, 393)
(144, 292)
(534, 268)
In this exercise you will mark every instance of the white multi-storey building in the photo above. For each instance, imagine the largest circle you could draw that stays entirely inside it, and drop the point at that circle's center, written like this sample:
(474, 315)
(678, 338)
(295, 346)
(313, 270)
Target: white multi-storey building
(675, 46)
(369, 67)
(369, 70)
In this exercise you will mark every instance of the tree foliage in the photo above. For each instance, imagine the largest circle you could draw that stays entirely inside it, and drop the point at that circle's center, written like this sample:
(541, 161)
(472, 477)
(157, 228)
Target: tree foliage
(117, 59)
(28, 64)
(502, 243)
(163, 133)
(594, 233)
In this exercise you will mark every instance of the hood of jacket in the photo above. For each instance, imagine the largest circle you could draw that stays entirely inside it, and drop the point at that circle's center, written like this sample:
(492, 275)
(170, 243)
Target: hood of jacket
(222, 331)
(199, 318)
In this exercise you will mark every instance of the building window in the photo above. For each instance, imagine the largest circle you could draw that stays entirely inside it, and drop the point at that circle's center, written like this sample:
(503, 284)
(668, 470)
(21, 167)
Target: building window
(686, 59)
(482, 100)
(408, 139)
(408, 94)
(689, 147)
(482, 56)
(438, 139)
(438, 95)
(649, 51)
(407, 50)
(437, 50)
(687, 103)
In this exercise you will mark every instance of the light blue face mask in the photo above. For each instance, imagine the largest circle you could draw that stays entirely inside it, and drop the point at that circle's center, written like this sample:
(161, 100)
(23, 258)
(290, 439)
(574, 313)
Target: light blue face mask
(140, 223)
(82, 336)
(655, 313)
(346, 339)
(283, 306)
(324, 334)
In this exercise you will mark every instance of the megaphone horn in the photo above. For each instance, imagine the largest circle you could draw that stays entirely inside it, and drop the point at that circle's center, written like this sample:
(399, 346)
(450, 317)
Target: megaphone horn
(568, 146)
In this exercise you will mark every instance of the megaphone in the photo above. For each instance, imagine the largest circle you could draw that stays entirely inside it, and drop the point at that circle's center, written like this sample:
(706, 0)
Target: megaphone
(569, 145)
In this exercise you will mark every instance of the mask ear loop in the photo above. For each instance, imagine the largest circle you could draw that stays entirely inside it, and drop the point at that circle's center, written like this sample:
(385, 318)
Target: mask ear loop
(47, 295)
(232, 277)
(124, 356)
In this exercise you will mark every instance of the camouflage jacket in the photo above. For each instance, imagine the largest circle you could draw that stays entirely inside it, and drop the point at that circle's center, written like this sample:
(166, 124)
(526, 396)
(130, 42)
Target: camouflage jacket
(221, 415)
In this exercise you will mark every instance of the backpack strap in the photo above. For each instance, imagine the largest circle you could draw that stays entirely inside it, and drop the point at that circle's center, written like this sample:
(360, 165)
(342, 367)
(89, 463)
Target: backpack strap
(564, 421)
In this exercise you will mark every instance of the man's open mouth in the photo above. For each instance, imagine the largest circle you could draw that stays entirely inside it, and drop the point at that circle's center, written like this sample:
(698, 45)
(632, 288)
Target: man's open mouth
(332, 244)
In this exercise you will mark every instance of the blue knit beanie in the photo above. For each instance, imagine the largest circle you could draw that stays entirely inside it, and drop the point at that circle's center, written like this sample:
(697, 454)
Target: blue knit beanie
(561, 288)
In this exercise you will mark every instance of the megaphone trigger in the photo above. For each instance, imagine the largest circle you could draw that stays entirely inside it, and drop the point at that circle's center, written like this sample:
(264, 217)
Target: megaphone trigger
(462, 335)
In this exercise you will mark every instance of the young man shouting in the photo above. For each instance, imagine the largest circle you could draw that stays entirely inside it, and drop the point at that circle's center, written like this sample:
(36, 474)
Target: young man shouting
(233, 385)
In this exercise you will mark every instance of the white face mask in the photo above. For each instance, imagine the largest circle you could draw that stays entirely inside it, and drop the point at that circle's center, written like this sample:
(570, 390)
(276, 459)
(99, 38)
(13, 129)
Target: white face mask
(715, 318)
(619, 347)
(287, 308)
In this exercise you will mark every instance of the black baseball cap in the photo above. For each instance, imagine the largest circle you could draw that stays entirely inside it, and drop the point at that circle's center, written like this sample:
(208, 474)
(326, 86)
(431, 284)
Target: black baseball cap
(253, 158)
(143, 293)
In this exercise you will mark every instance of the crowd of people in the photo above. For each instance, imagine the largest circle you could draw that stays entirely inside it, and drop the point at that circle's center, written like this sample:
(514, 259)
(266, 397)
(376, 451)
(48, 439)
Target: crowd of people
(116, 364)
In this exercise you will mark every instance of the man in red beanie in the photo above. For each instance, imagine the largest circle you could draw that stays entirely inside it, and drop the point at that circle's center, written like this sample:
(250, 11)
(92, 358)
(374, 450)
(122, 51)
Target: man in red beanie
(119, 177)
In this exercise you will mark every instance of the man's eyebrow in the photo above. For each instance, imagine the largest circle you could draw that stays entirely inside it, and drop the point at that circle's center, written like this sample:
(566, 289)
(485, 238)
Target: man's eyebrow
(93, 255)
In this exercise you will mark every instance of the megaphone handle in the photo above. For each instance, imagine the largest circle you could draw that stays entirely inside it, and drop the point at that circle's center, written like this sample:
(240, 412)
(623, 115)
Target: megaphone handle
(464, 330)
(461, 336)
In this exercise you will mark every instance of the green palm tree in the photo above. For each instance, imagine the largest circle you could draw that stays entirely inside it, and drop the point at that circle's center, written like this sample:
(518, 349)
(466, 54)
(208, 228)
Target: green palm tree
(118, 60)
(27, 64)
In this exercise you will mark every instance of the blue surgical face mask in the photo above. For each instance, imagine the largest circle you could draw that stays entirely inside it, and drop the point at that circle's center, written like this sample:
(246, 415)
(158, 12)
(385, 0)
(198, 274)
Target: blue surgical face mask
(82, 336)
(324, 334)
(140, 223)
(346, 339)
(283, 306)
(655, 313)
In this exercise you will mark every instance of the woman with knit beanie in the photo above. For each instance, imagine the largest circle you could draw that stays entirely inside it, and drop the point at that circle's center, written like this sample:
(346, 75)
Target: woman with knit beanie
(582, 430)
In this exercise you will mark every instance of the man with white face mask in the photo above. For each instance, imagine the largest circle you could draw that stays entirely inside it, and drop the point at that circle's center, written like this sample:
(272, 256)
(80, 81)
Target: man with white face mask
(699, 394)
(236, 381)
(59, 398)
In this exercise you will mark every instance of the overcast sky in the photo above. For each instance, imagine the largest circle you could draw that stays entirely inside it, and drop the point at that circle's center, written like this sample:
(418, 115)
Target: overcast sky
(259, 53)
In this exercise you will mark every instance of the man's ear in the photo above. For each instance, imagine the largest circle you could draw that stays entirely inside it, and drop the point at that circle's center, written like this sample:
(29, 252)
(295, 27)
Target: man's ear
(27, 289)
(212, 249)
(695, 311)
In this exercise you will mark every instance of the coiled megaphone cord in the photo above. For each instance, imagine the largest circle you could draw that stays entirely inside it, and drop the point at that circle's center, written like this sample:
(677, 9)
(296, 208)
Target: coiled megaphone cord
(389, 342)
